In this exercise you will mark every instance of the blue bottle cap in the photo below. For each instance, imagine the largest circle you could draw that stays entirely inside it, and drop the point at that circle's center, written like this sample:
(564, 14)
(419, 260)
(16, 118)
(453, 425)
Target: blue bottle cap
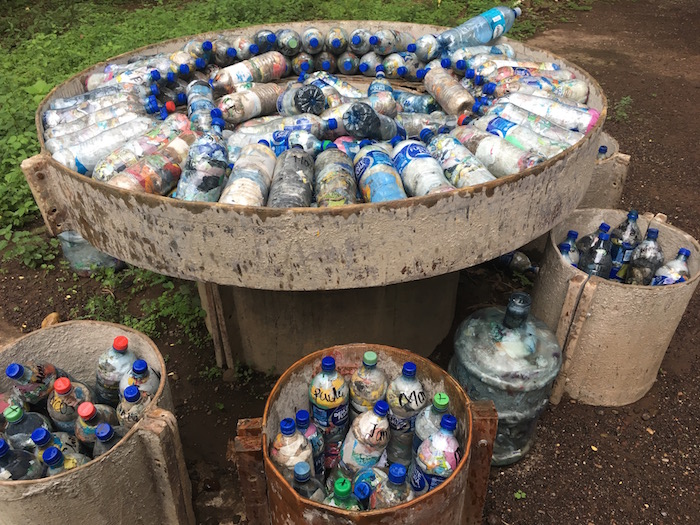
(303, 418)
(356, 40)
(394, 141)
(272, 38)
(604, 226)
(184, 70)
(633, 215)
(347, 65)
(362, 490)
(420, 74)
(326, 65)
(231, 52)
(381, 408)
(155, 75)
(297, 146)
(565, 247)
(448, 422)
(627, 246)
(287, 426)
(332, 123)
(489, 88)
(200, 63)
(331, 145)
(52, 456)
(163, 113)
(302, 472)
(604, 236)
(305, 66)
(104, 432)
(216, 113)
(411, 48)
(652, 233)
(684, 251)
(365, 142)
(461, 64)
(218, 122)
(180, 99)
(397, 473)
(373, 40)
(336, 42)
(409, 369)
(402, 71)
(4, 447)
(132, 393)
(264, 142)
(328, 364)
(442, 130)
(211, 83)
(426, 135)
(573, 234)
(14, 371)
(445, 62)
(301, 77)
(469, 72)
(478, 80)
(486, 101)
(139, 367)
(230, 165)
(170, 77)
(254, 49)
(313, 42)
(476, 107)
(151, 105)
(154, 90)
(207, 46)
(41, 436)
(364, 67)
(603, 150)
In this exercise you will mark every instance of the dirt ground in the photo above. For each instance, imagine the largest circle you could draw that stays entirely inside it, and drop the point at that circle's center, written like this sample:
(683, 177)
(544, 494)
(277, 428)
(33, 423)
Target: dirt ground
(632, 465)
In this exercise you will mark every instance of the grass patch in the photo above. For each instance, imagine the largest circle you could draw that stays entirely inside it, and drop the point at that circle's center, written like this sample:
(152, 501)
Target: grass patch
(621, 108)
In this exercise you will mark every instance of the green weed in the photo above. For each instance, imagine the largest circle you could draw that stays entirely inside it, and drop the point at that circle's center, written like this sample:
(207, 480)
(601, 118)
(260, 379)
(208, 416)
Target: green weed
(28, 248)
(211, 373)
(621, 108)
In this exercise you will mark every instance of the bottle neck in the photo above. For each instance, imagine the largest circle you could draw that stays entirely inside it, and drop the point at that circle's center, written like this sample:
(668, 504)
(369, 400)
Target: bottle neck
(515, 316)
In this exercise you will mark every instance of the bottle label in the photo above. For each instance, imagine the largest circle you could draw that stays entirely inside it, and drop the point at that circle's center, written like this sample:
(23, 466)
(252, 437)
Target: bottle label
(370, 159)
(329, 418)
(496, 21)
(422, 482)
(662, 280)
(402, 425)
(409, 153)
(499, 126)
(417, 442)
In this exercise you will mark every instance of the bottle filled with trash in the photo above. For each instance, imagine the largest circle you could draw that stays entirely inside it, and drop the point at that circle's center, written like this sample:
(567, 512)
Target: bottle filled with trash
(21, 424)
(674, 271)
(428, 420)
(289, 448)
(420, 172)
(312, 434)
(376, 175)
(306, 485)
(597, 260)
(107, 437)
(646, 259)
(132, 406)
(366, 440)
(627, 232)
(368, 385)
(395, 490)
(90, 416)
(33, 382)
(406, 397)
(18, 464)
(57, 461)
(142, 376)
(292, 180)
(437, 458)
(342, 496)
(63, 402)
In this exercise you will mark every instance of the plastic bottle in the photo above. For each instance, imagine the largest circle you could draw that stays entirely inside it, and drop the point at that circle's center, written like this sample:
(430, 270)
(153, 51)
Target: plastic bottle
(307, 486)
(597, 259)
(420, 172)
(415, 103)
(646, 259)
(90, 120)
(350, 145)
(674, 271)
(481, 29)
(574, 254)
(289, 448)
(428, 420)
(157, 173)
(63, 402)
(575, 89)
(288, 42)
(311, 123)
(312, 40)
(499, 156)
(602, 153)
(516, 261)
(361, 121)
(199, 49)
(142, 376)
(21, 424)
(348, 63)
(78, 137)
(337, 40)
(342, 496)
(437, 458)
(565, 251)
(200, 102)
(368, 64)
(394, 65)
(329, 397)
(371, 477)
(376, 175)
(585, 242)
(427, 48)
(204, 171)
(359, 41)
(344, 88)
(112, 365)
(466, 52)
(334, 179)
(245, 47)
(261, 99)
(132, 406)
(387, 41)
(298, 98)
(520, 136)
(303, 63)
(363, 492)
(57, 461)
(263, 69)
(460, 167)
(406, 398)
(627, 231)
(568, 117)
(315, 439)
(223, 53)
(56, 117)
(368, 385)
(380, 83)
(266, 40)
(251, 176)
(414, 123)
(67, 102)
(292, 180)
(538, 124)
(107, 437)
(325, 61)
(18, 465)
(394, 490)
(89, 417)
(33, 382)
(44, 439)
(449, 93)
(621, 261)
(366, 440)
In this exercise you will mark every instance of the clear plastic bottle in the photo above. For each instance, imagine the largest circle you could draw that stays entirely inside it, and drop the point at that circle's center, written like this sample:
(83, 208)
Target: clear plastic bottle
(303, 63)
(406, 398)
(312, 40)
(627, 231)
(363, 492)
(72, 130)
(597, 260)
(437, 458)
(262, 69)
(21, 424)
(414, 123)
(674, 271)
(223, 53)
(56, 117)
(334, 179)
(621, 261)
(368, 64)
(16, 465)
(387, 41)
(288, 42)
(447, 90)
(112, 365)
(261, 99)
(350, 145)
(325, 61)
(376, 175)
(416, 103)
(521, 137)
(361, 121)
(142, 376)
(368, 385)
(575, 89)
(307, 486)
(569, 117)
(574, 254)
(78, 137)
(366, 440)
(342, 496)
(57, 461)
(337, 40)
(380, 83)
(348, 63)
(395, 490)
(132, 406)
(251, 176)
(107, 437)
(460, 167)
(292, 180)
(428, 420)
(329, 397)
(420, 172)
(344, 88)
(289, 448)
(298, 99)
(427, 48)
(359, 41)
(266, 40)
(204, 171)
(479, 30)
(394, 65)
(33, 382)
(44, 439)
(646, 259)
(67, 102)
(245, 47)
(538, 124)
(498, 155)
(585, 242)
(312, 434)
(565, 250)
(89, 417)
(63, 402)
(199, 49)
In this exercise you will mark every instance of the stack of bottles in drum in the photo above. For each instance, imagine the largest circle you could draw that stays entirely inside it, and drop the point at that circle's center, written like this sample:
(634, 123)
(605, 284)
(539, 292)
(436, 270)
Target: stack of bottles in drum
(55, 423)
(369, 441)
(487, 113)
(624, 255)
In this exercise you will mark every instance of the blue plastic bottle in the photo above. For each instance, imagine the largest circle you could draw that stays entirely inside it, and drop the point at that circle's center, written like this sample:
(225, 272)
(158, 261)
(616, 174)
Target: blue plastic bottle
(481, 29)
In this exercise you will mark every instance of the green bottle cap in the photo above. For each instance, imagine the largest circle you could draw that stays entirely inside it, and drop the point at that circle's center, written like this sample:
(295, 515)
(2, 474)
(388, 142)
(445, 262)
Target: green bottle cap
(342, 487)
(13, 413)
(370, 358)
(441, 401)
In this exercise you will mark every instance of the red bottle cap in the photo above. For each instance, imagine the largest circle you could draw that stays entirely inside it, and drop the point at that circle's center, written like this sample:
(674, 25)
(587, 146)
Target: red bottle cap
(120, 343)
(461, 119)
(170, 106)
(62, 385)
(87, 410)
